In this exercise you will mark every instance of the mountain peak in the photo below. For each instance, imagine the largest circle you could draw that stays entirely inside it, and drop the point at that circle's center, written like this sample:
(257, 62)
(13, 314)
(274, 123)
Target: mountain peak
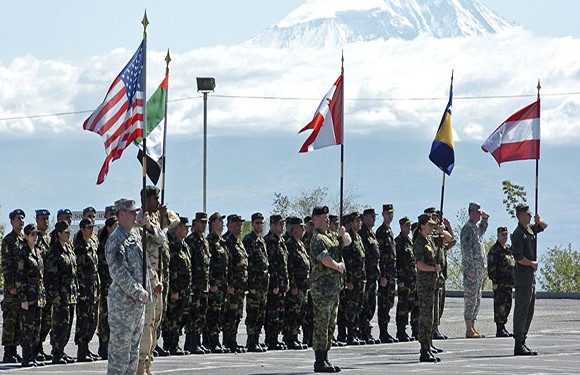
(323, 23)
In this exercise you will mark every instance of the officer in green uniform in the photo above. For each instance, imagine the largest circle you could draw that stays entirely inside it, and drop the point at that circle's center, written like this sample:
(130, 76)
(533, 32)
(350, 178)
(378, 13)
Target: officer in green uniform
(237, 284)
(258, 279)
(89, 288)
(179, 286)
(308, 323)
(388, 267)
(200, 261)
(407, 280)
(373, 272)
(29, 277)
(326, 284)
(11, 244)
(299, 278)
(500, 270)
(43, 245)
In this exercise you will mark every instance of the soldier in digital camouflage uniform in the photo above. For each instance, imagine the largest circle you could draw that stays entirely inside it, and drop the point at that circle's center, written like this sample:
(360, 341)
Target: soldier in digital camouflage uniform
(180, 276)
(372, 256)
(127, 293)
(257, 282)
(500, 269)
(218, 282)
(354, 260)
(103, 330)
(524, 249)
(278, 270)
(473, 263)
(43, 246)
(299, 280)
(60, 276)
(388, 279)
(326, 284)
(89, 288)
(237, 284)
(407, 280)
(200, 260)
(10, 305)
(29, 278)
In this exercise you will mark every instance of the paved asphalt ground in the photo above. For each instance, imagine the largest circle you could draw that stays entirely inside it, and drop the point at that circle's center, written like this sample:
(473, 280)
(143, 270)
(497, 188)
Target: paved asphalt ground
(555, 334)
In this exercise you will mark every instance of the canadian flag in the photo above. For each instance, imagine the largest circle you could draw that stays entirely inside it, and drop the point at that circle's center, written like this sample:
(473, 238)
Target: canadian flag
(518, 138)
(326, 125)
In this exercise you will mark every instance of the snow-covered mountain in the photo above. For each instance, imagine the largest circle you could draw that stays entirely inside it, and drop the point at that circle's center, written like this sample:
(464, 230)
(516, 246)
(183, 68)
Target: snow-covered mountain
(323, 23)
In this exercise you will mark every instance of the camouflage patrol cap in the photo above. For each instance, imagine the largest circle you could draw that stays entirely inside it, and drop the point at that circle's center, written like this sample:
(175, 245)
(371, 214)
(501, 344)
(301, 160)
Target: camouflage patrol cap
(404, 220)
(523, 208)
(293, 220)
(61, 226)
(388, 207)
(275, 219)
(257, 216)
(215, 216)
(424, 219)
(86, 223)
(150, 191)
(200, 216)
(346, 219)
(42, 212)
(110, 221)
(182, 220)
(333, 219)
(307, 219)
(430, 210)
(15, 213)
(235, 218)
(319, 210)
(126, 204)
(369, 211)
(30, 228)
(502, 230)
(474, 206)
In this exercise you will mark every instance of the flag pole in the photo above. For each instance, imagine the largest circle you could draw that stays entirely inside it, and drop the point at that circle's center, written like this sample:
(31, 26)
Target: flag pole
(167, 60)
(443, 181)
(342, 145)
(145, 22)
(537, 173)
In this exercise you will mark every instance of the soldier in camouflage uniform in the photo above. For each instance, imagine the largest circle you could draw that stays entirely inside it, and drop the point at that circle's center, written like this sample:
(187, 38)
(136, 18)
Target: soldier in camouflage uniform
(326, 284)
(10, 305)
(500, 269)
(180, 276)
(60, 276)
(103, 330)
(299, 279)
(407, 280)
(388, 267)
(372, 256)
(278, 270)
(237, 284)
(257, 282)
(64, 214)
(218, 282)
(127, 294)
(200, 260)
(43, 246)
(308, 319)
(88, 213)
(473, 262)
(29, 278)
(354, 260)
(89, 288)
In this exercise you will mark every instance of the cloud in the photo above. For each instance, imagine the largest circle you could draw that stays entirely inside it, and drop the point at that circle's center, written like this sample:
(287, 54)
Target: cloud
(388, 84)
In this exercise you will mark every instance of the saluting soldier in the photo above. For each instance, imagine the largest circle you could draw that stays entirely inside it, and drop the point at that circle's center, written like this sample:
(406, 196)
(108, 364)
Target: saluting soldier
(10, 305)
(62, 289)
(407, 280)
(43, 246)
(500, 269)
(103, 330)
(278, 269)
(237, 284)
(388, 267)
(218, 282)
(180, 275)
(200, 261)
(372, 256)
(89, 288)
(258, 277)
(299, 279)
(29, 277)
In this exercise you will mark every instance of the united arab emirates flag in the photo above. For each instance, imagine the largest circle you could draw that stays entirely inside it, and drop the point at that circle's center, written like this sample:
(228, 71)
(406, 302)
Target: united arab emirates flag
(155, 132)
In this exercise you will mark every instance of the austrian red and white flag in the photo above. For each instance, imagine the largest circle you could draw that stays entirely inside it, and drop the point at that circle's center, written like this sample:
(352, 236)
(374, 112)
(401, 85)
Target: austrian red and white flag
(518, 138)
(326, 125)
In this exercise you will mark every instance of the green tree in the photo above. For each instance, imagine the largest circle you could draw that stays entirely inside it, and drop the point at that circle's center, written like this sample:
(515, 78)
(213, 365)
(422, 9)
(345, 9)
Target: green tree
(301, 204)
(514, 195)
(560, 270)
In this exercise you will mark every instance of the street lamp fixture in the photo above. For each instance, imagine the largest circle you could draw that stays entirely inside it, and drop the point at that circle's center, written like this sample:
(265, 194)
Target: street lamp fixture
(205, 85)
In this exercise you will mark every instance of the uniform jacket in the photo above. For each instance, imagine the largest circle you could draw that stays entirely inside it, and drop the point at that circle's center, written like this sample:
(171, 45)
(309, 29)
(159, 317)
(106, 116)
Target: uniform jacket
(257, 262)
(277, 260)
(388, 260)
(29, 275)
(200, 260)
(60, 274)
(298, 264)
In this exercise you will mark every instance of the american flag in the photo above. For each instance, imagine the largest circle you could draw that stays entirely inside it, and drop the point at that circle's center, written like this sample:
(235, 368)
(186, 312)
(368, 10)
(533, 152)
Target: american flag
(119, 118)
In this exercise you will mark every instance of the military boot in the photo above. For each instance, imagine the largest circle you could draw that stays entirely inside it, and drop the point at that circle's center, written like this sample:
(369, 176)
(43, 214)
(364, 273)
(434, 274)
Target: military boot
(83, 353)
(141, 367)
(10, 354)
(500, 330)
(415, 330)
(26, 360)
(103, 351)
(253, 345)
(341, 333)
(521, 349)
(386, 338)
(320, 365)
(476, 331)
(470, 332)
(335, 367)
(426, 355)
(195, 345)
(402, 334)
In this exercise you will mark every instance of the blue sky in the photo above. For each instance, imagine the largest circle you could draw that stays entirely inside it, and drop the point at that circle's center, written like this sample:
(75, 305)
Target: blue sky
(62, 57)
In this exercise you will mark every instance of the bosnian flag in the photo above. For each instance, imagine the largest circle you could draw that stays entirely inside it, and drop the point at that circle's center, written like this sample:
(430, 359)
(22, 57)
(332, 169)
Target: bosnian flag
(518, 138)
(326, 125)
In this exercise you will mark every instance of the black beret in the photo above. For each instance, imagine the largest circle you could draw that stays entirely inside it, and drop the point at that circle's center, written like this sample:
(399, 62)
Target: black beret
(369, 211)
(234, 218)
(16, 212)
(319, 210)
(257, 215)
(42, 212)
(388, 207)
(502, 230)
(274, 219)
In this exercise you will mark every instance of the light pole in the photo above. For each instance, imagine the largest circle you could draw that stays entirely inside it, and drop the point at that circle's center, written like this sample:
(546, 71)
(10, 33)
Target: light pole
(205, 85)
